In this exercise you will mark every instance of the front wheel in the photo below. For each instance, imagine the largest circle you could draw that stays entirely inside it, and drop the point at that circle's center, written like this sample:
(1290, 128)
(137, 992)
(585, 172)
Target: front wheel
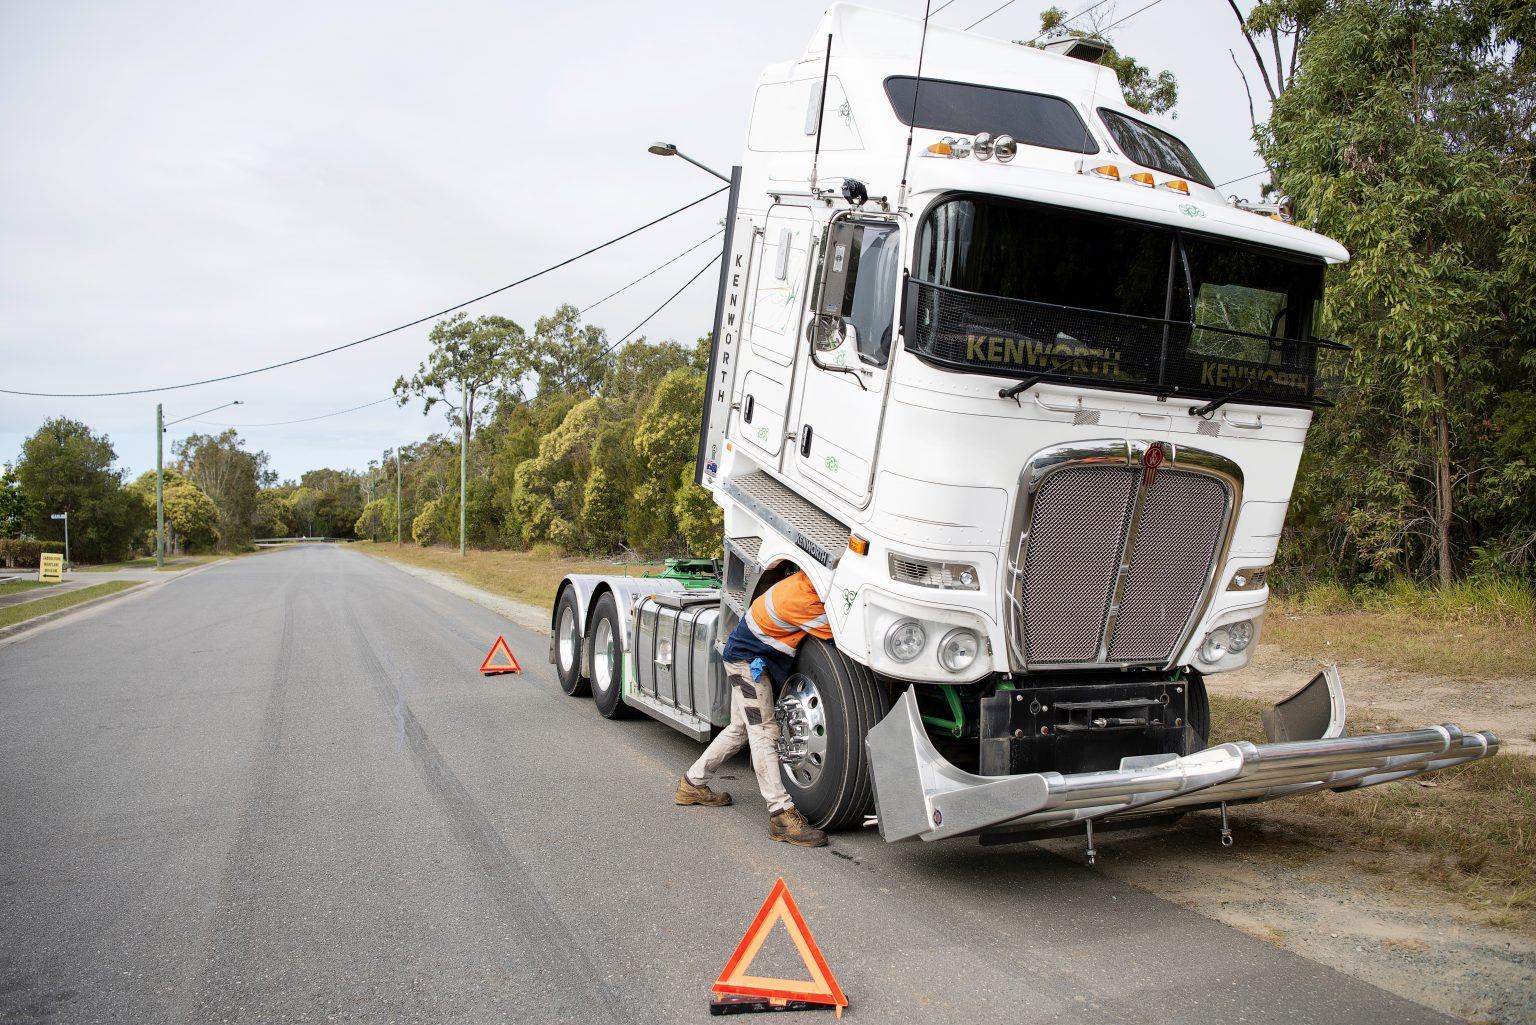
(608, 660)
(825, 708)
(568, 646)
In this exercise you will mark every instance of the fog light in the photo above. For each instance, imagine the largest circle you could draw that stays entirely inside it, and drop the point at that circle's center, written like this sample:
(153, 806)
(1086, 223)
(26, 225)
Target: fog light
(905, 640)
(1216, 645)
(1241, 634)
(958, 650)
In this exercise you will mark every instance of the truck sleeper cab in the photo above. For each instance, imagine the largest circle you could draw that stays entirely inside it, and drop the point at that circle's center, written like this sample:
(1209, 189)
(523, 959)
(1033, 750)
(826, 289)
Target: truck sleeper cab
(1028, 418)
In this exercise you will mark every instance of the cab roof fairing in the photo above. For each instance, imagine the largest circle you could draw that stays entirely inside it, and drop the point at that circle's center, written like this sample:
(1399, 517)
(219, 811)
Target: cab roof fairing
(869, 142)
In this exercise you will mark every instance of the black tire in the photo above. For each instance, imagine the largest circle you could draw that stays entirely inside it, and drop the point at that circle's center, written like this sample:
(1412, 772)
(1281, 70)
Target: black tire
(833, 790)
(567, 642)
(608, 660)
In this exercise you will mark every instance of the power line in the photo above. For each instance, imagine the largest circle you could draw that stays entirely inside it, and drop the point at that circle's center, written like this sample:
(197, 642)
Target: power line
(304, 420)
(984, 17)
(372, 337)
(604, 354)
(1064, 21)
(593, 362)
(1242, 178)
(669, 263)
(1128, 17)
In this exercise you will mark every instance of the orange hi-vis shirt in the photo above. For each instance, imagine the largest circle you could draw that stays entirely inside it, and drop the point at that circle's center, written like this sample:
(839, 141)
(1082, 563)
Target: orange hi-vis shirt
(776, 623)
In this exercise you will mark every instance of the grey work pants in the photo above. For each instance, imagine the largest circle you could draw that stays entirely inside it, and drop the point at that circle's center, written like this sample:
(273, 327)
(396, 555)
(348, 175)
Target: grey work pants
(752, 722)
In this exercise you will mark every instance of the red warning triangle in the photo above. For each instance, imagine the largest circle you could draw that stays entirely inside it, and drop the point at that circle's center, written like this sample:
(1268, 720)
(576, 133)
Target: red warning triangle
(509, 666)
(820, 988)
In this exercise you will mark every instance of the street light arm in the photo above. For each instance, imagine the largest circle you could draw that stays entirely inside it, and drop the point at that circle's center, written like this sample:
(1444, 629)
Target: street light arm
(667, 149)
(205, 412)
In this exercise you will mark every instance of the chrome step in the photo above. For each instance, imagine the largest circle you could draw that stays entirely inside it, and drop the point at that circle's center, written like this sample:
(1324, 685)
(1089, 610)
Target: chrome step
(822, 537)
(744, 550)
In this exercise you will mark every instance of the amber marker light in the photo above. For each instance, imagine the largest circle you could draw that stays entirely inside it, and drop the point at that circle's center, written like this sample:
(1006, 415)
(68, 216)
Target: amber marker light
(1176, 185)
(1109, 171)
(1143, 178)
(857, 545)
(945, 147)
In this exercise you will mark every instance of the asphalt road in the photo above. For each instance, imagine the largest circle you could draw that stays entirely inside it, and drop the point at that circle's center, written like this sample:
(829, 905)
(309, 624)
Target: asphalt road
(278, 790)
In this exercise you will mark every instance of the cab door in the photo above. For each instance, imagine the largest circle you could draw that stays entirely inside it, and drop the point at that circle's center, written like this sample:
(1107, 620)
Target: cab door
(781, 269)
(850, 331)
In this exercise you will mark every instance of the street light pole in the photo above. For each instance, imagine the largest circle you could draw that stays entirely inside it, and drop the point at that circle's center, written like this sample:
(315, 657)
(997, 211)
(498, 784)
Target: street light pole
(159, 486)
(160, 426)
(397, 496)
(66, 537)
(463, 462)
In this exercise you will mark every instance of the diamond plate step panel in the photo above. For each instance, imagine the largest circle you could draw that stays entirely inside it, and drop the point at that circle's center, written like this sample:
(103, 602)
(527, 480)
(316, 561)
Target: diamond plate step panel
(819, 535)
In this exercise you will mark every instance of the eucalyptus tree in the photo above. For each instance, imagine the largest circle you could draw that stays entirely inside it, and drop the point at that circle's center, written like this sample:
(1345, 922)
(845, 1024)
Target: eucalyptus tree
(469, 360)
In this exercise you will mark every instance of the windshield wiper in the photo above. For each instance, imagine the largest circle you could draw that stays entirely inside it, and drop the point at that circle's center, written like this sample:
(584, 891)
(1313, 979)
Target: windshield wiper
(1029, 382)
(1212, 406)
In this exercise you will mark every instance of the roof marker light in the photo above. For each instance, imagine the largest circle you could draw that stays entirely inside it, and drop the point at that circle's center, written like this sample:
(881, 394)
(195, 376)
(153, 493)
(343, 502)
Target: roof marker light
(1176, 185)
(1005, 148)
(1143, 178)
(1109, 171)
(945, 147)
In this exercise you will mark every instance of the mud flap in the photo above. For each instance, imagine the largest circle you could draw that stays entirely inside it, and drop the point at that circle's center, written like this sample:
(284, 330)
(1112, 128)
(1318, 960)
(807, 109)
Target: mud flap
(1316, 712)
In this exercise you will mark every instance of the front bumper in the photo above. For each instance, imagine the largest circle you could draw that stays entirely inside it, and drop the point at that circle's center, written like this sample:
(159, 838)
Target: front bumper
(919, 793)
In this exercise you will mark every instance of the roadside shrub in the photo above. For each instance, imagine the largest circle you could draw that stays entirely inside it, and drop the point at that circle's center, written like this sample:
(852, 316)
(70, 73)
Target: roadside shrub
(20, 553)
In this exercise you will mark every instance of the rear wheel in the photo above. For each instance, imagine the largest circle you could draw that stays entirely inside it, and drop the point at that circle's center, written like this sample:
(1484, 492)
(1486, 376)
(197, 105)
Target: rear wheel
(568, 645)
(825, 709)
(607, 660)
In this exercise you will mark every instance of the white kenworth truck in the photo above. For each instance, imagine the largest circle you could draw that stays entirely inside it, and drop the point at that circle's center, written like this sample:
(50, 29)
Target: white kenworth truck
(1026, 407)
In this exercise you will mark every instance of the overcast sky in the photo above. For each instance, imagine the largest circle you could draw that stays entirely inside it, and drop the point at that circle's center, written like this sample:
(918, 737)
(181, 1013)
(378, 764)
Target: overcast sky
(194, 189)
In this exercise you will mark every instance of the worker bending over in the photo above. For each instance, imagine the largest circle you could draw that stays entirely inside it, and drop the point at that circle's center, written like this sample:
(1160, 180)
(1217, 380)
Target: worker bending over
(758, 653)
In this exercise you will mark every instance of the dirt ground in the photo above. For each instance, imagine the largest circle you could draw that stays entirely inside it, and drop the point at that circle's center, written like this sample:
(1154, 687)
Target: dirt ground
(1336, 904)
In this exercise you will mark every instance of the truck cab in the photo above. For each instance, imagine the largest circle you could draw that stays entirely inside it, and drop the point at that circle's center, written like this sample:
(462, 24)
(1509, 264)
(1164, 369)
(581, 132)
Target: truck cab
(1024, 396)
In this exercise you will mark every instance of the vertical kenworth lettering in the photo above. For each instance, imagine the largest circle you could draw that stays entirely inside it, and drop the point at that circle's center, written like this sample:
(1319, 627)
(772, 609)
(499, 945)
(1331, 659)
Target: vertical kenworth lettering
(1026, 410)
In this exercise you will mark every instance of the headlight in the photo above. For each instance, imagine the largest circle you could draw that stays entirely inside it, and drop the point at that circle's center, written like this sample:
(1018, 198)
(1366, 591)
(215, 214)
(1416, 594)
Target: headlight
(1241, 634)
(1217, 643)
(905, 640)
(958, 650)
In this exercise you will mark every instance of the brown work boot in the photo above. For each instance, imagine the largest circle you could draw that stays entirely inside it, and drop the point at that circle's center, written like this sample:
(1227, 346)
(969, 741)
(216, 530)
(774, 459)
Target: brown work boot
(687, 793)
(790, 826)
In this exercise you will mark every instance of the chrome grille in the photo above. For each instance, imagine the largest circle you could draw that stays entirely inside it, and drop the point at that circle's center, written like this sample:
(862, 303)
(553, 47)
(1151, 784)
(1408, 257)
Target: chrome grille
(1182, 520)
(1088, 515)
(1071, 561)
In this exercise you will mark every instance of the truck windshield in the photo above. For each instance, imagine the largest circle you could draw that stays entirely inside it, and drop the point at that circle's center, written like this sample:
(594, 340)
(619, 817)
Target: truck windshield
(1015, 289)
(1152, 147)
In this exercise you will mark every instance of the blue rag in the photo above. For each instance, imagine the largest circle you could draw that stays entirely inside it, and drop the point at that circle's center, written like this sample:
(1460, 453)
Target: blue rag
(757, 669)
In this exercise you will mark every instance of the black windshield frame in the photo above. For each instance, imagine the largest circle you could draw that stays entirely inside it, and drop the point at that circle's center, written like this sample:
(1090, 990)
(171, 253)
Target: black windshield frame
(1158, 338)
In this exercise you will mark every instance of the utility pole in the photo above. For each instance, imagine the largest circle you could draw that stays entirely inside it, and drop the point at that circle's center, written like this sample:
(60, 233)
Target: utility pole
(463, 458)
(397, 496)
(159, 486)
(160, 426)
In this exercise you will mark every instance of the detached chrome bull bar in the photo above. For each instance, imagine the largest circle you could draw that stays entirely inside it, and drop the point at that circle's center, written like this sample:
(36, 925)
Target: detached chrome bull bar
(919, 793)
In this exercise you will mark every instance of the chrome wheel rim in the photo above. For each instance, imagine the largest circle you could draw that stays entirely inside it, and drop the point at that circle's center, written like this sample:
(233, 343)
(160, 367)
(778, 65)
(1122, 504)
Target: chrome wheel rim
(567, 643)
(802, 731)
(602, 656)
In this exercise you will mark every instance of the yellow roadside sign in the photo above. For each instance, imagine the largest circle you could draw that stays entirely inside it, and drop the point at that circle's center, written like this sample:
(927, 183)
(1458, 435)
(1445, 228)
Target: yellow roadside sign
(50, 568)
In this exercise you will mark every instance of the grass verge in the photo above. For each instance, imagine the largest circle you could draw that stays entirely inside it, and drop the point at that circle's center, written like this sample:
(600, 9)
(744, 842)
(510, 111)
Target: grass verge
(524, 576)
(18, 586)
(42, 606)
(1478, 629)
(176, 562)
(1469, 831)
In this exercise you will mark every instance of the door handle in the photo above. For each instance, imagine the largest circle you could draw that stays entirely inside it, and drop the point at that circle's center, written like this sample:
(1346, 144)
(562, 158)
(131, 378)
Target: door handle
(746, 412)
(805, 442)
